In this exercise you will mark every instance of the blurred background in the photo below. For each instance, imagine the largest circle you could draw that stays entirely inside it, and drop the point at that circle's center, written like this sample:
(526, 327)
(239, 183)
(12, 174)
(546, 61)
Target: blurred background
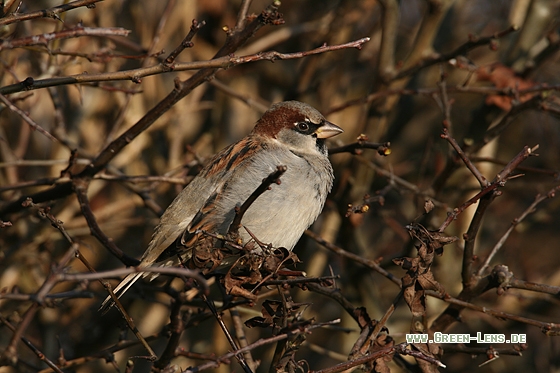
(396, 89)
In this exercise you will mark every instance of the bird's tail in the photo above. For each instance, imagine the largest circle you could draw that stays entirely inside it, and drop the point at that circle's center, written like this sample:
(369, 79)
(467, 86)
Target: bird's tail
(120, 290)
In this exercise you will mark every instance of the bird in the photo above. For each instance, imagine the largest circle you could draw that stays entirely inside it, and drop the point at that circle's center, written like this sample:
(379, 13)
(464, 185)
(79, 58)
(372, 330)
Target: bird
(290, 134)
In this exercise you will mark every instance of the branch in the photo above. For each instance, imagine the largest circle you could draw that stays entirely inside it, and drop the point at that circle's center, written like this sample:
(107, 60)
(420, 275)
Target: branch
(182, 88)
(259, 343)
(481, 179)
(273, 178)
(529, 210)
(505, 91)
(551, 329)
(136, 75)
(385, 351)
(31, 346)
(80, 188)
(44, 39)
(26, 118)
(362, 143)
(48, 13)
(186, 43)
(499, 181)
(472, 43)
(366, 262)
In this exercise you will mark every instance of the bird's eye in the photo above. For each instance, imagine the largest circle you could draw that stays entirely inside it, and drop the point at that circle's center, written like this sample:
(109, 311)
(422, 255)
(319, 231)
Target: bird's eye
(302, 126)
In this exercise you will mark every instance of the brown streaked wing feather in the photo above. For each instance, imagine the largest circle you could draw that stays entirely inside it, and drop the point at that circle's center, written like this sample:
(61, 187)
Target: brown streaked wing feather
(231, 157)
(173, 235)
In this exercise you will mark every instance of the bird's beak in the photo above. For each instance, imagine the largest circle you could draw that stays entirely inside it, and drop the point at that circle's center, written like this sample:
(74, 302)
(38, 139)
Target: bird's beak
(327, 130)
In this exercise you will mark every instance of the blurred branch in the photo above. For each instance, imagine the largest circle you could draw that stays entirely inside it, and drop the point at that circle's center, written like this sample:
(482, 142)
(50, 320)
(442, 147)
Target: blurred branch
(48, 13)
(26, 118)
(547, 328)
(77, 31)
(481, 179)
(181, 90)
(176, 328)
(506, 91)
(497, 128)
(390, 21)
(335, 294)
(472, 43)
(242, 14)
(31, 346)
(531, 209)
(499, 181)
(395, 181)
(10, 353)
(423, 45)
(252, 103)
(286, 33)
(80, 188)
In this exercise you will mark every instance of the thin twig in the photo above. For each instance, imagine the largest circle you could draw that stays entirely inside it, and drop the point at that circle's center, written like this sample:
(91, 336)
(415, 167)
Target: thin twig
(44, 39)
(136, 75)
(242, 14)
(547, 328)
(80, 188)
(499, 181)
(240, 357)
(259, 343)
(31, 346)
(529, 210)
(186, 43)
(481, 179)
(355, 147)
(366, 262)
(26, 118)
(273, 178)
(472, 43)
(48, 13)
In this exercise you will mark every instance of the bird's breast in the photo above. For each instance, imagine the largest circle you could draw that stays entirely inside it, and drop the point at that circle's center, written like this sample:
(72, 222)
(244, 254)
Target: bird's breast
(282, 213)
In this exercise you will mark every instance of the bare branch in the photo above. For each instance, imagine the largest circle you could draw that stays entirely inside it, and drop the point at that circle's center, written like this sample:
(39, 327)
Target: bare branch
(531, 209)
(136, 75)
(77, 31)
(473, 43)
(48, 13)
(273, 178)
(26, 118)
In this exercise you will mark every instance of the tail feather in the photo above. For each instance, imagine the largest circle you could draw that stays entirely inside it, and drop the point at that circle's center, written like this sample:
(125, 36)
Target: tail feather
(120, 290)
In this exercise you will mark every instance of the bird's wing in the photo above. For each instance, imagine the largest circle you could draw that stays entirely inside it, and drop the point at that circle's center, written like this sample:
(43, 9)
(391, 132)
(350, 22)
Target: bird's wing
(193, 203)
(199, 197)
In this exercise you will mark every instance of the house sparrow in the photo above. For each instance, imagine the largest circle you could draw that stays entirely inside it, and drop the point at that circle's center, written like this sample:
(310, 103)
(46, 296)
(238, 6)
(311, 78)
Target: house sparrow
(291, 134)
